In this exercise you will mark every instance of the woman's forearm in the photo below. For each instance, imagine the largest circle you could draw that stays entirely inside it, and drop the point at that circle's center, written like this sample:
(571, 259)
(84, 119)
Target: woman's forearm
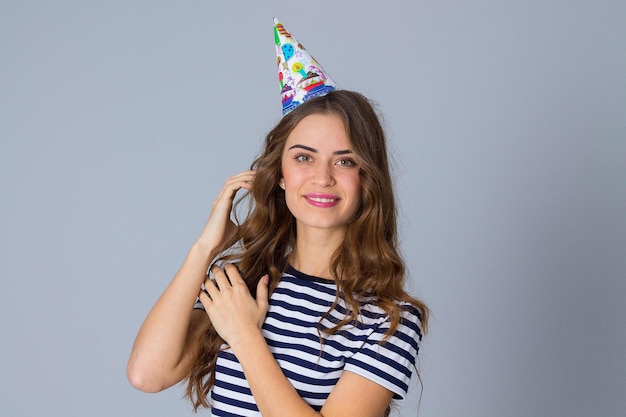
(275, 396)
(158, 356)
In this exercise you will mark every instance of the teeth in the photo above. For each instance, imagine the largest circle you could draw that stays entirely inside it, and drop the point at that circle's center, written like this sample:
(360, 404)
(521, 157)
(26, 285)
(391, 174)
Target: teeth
(323, 200)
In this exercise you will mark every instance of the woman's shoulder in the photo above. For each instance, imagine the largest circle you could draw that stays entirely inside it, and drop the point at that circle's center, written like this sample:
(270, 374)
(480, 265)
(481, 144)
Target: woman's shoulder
(373, 305)
(391, 317)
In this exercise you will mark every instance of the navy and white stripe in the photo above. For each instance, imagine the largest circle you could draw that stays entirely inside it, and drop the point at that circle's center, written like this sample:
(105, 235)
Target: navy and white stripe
(291, 331)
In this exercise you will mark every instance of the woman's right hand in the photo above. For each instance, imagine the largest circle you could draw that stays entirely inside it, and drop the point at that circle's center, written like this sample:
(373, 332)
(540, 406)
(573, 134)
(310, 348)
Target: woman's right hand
(220, 228)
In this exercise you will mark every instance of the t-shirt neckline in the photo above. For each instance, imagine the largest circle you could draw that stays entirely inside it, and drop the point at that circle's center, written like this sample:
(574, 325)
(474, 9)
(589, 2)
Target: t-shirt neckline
(312, 278)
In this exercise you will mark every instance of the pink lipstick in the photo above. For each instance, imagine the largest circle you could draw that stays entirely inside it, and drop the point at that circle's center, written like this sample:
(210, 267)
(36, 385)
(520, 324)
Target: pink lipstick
(322, 200)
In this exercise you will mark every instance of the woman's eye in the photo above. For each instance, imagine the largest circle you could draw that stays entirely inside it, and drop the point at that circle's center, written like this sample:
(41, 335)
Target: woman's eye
(303, 158)
(346, 163)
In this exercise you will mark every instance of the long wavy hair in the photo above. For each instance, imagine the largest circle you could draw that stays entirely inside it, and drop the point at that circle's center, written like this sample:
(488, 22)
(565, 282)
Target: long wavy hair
(366, 263)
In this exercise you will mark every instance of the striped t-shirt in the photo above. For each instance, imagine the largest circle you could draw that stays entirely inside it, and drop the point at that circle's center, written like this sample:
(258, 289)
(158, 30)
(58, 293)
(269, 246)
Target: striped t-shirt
(296, 307)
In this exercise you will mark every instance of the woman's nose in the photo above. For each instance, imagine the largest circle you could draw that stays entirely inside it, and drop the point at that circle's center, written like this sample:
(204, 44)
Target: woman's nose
(323, 175)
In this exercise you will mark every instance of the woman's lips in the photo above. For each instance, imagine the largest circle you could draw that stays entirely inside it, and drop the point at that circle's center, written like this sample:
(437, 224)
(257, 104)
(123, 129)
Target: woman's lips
(322, 200)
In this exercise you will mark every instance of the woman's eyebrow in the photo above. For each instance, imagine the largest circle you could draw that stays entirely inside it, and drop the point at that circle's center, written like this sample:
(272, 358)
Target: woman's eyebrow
(308, 148)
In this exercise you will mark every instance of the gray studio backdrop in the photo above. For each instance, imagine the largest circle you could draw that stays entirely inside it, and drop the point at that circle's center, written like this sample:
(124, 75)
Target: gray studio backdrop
(120, 120)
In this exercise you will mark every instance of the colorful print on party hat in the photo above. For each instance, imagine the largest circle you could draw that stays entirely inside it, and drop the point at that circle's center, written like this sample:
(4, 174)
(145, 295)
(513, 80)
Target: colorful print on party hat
(300, 76)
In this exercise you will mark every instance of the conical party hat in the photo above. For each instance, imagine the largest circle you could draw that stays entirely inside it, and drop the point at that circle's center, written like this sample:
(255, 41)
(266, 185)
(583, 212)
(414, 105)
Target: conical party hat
(301, 77)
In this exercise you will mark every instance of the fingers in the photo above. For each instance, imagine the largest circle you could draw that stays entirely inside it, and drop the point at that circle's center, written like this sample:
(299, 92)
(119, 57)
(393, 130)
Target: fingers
(231, 272)
(227, 278)
(233, 184)
(242, 179)
(223, 279)
(205, 298)
(262, 291)
(229, 304)
(219, 227)
(213, 285)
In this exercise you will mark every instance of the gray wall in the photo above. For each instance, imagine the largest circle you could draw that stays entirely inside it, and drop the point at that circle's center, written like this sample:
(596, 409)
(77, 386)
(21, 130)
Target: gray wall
(119, 122)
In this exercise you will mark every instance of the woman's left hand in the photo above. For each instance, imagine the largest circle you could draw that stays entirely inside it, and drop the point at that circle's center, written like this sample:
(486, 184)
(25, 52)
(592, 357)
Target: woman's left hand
(230, 307)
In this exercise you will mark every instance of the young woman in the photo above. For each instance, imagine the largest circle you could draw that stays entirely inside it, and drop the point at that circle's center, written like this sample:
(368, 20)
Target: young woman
(306, 314)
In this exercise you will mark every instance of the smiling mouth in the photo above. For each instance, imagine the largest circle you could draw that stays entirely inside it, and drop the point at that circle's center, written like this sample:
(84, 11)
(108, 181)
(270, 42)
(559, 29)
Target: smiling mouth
(323, 199)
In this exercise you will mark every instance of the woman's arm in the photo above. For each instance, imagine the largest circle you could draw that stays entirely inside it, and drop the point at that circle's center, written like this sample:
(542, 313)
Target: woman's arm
(237, 317)
(353, 395)
(169, 338)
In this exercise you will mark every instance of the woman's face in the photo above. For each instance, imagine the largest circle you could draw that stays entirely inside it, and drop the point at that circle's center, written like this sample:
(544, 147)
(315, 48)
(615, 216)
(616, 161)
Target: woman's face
(320, 175)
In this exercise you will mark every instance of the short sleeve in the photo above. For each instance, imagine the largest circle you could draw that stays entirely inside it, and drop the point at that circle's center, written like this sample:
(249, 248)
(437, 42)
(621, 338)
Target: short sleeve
(390, 362)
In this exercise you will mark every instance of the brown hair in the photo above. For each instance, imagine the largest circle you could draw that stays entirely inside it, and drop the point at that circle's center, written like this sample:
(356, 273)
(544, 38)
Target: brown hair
(368, 260)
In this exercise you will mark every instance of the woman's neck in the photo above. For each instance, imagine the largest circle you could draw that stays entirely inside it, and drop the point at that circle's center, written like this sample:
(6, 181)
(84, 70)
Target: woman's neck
(313, 252)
